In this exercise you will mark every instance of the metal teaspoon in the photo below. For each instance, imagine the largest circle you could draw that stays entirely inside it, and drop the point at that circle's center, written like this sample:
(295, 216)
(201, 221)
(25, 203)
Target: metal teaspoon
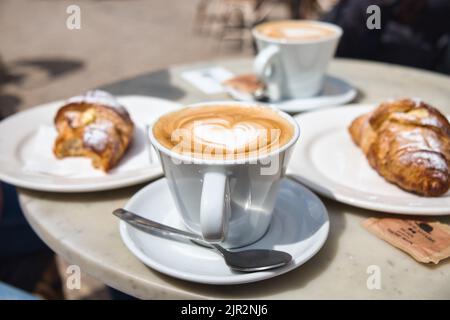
(244, 261)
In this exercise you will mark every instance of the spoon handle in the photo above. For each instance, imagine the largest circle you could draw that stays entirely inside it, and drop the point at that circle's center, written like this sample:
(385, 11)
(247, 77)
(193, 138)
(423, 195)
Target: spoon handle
(146, 225)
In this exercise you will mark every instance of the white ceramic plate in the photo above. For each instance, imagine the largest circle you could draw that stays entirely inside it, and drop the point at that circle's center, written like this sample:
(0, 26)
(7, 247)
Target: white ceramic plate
(326, 160)
(335, 92)
(18, 146)
(300, 227)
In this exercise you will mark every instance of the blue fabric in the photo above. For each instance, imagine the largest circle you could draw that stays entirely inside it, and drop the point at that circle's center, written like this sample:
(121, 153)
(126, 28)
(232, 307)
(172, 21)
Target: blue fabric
(119, 295)
(10, 293)
(16, 236)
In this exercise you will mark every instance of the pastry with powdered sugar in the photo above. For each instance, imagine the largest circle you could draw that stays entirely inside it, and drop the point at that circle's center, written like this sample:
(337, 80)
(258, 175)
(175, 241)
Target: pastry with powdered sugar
(407, 141)
(94, 125)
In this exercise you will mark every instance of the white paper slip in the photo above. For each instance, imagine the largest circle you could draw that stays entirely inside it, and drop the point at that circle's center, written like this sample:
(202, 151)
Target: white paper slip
(208, 80)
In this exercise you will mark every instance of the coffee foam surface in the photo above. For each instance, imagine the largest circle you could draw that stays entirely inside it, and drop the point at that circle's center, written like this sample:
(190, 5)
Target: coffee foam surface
(294, 30)
(223, 131)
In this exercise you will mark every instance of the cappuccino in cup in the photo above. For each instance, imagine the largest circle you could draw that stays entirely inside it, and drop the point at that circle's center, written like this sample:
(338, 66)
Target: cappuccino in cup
(223, 162)
(293, 56)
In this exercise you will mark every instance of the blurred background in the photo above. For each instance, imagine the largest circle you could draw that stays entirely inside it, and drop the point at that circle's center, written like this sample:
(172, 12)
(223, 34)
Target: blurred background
(42, 60)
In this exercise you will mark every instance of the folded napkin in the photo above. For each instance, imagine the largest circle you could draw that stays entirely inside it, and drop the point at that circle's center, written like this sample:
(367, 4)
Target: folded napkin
(38, 157)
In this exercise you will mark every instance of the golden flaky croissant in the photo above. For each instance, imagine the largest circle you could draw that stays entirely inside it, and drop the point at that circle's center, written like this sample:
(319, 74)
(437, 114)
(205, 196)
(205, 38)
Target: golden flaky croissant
(94, 126)
(408, 143)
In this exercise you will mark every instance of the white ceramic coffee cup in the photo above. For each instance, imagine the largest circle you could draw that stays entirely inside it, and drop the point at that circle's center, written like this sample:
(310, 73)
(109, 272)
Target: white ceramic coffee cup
(228, 201)
(293, 69)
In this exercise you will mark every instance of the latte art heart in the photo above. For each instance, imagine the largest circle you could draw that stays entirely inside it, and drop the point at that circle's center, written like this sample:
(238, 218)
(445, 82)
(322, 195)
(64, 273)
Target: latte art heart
(218, 133)
(223, 131)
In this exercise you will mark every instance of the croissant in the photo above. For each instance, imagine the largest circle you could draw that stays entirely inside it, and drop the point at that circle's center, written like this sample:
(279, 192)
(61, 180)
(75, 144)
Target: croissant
(93, 126)
(407, 142)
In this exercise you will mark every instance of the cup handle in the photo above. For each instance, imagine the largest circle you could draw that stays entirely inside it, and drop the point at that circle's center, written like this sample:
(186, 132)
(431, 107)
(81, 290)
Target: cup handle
(264, 69)
(214, 206)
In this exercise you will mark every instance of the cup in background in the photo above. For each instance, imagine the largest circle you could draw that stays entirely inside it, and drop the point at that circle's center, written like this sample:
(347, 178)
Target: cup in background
(294, 69)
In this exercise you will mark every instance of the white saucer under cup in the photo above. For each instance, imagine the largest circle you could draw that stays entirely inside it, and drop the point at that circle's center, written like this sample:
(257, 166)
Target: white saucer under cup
(299, 227)
(335, 91)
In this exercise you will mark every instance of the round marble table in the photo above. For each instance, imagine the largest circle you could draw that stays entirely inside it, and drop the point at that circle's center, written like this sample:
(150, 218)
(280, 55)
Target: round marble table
(81, 228)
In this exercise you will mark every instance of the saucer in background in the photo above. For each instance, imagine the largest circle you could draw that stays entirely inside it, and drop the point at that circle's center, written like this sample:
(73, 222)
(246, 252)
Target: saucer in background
(335, 92)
